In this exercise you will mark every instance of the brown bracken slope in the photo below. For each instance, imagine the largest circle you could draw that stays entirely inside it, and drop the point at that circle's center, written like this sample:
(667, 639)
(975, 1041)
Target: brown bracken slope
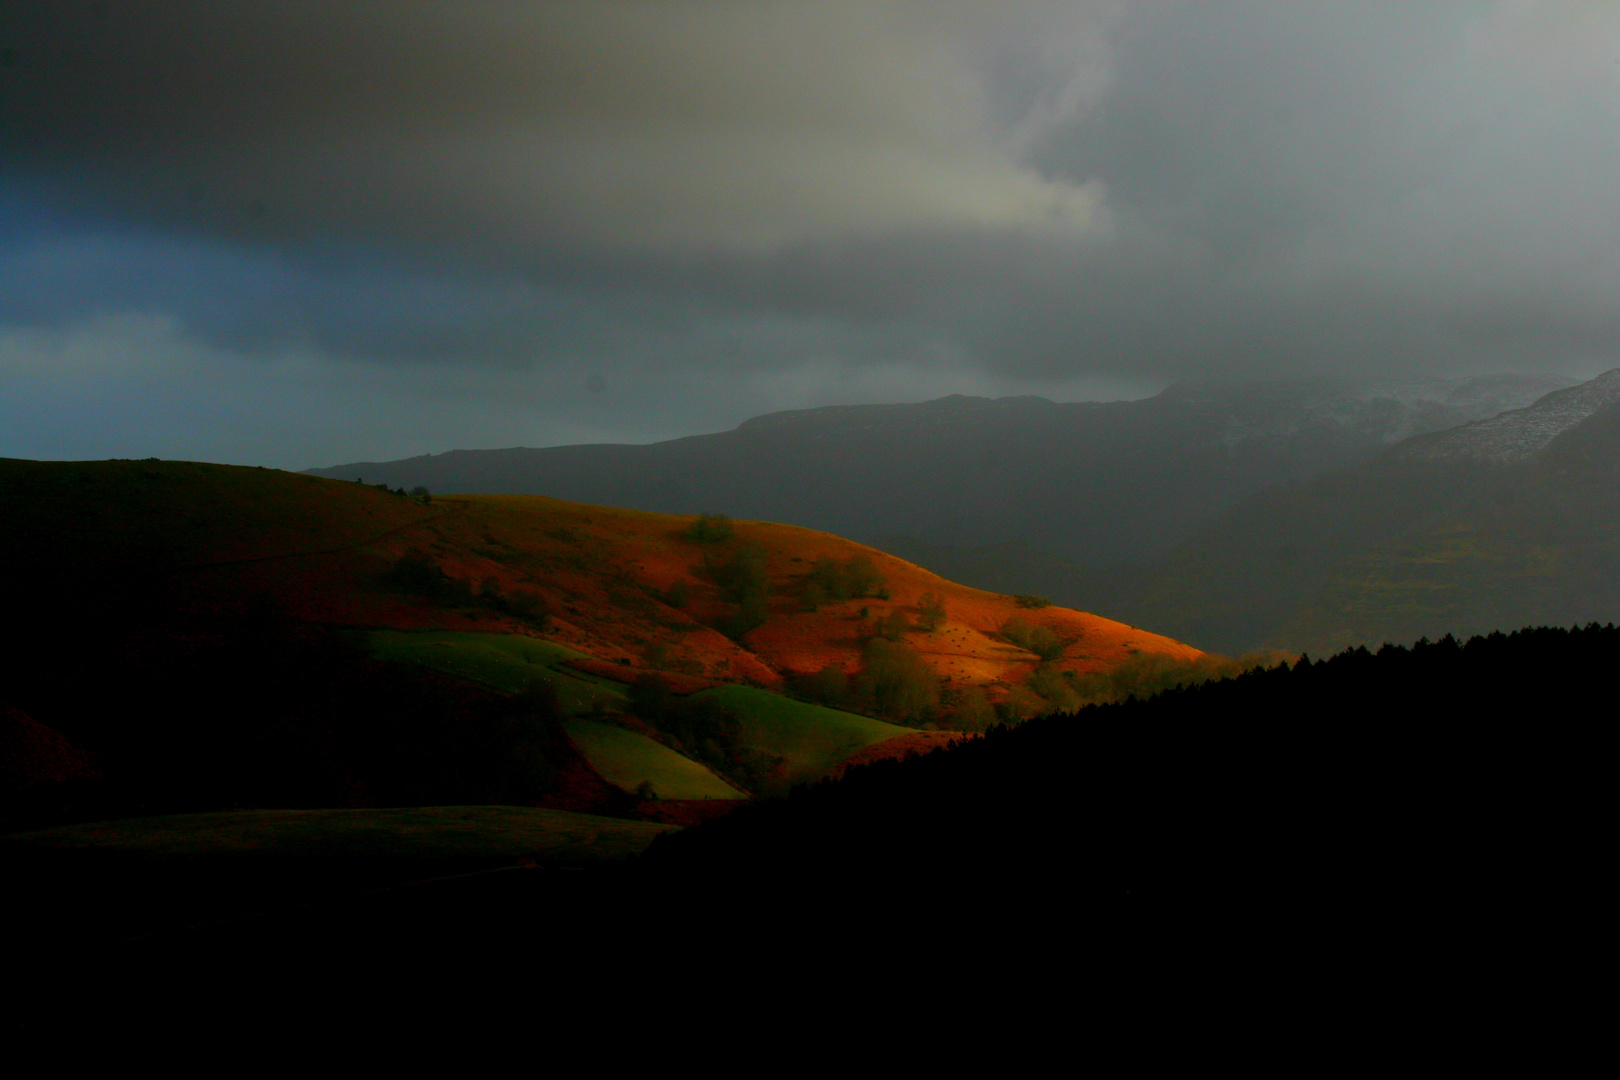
(223, 539)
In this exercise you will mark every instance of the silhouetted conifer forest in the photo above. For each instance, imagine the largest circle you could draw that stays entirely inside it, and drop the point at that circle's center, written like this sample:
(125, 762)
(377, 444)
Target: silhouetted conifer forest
(1447, 778)
(1437, 809)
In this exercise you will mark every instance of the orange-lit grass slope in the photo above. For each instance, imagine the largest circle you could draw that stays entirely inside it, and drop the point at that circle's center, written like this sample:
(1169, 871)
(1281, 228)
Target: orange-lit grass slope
(608, 574)
(965, 647)
(221, 538)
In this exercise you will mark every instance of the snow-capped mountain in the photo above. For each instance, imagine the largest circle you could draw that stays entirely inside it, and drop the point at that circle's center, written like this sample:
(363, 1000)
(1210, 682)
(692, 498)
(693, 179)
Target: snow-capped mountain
(1519, 433)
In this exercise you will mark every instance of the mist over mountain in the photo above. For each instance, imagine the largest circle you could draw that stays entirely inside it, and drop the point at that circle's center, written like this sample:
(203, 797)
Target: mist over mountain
(1517, 434)
(1497, 523)
(1102, 484)
(1237, 517)
(1508, 522)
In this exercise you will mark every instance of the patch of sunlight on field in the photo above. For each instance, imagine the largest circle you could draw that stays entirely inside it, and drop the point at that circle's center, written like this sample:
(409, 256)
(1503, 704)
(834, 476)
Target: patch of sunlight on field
(811, 740)
(626, 760)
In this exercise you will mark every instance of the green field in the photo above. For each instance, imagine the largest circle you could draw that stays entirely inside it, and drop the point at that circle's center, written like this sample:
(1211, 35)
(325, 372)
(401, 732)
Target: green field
(626, 760)
(509, 663)
(551, 837)
(810, 739)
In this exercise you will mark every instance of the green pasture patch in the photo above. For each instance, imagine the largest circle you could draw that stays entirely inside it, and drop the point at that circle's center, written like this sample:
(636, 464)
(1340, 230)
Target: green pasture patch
(627, 760)
(811, 740)
(510, 663)
(552, 837)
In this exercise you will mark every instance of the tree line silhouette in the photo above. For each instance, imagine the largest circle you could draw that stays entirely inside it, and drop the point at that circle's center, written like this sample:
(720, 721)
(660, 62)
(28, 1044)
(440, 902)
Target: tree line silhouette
(1446, 775)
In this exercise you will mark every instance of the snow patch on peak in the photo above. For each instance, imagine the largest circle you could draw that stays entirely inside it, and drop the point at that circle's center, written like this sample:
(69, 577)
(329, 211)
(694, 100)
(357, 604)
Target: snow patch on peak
(1518, 434)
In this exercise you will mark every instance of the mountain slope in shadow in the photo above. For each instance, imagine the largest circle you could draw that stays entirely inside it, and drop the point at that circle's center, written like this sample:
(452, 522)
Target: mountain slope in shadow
(1104, 484)
(1491, 524)
(1504, 523)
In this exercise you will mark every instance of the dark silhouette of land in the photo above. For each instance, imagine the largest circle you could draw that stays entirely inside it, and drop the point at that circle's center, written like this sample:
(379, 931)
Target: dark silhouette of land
(1448, 798)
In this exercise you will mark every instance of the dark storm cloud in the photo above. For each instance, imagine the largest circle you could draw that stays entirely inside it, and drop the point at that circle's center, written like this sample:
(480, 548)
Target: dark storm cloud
(661, 159)
(1366, 185)
(513, 126)
(795, 193)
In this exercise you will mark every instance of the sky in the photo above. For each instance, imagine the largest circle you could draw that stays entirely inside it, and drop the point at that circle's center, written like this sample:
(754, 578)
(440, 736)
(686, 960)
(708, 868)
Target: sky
(306, 232)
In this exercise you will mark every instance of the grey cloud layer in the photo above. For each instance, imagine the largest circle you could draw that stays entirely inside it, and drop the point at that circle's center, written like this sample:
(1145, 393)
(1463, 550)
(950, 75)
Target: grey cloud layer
(514, 125)
(1038, 189)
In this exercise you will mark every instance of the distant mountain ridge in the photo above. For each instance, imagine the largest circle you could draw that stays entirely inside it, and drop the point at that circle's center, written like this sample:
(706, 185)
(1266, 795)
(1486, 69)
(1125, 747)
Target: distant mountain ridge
(1510, 522)
(1495, 524)
(1518, 434)
(1104, 484)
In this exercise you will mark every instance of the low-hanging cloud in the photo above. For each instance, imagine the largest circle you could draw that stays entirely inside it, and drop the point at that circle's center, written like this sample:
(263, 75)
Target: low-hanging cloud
(761, 199)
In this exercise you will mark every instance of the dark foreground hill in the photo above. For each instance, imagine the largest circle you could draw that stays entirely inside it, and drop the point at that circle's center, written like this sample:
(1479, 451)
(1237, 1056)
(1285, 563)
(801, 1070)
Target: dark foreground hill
(1438, 810)
(1101, 483)
(1408, 777)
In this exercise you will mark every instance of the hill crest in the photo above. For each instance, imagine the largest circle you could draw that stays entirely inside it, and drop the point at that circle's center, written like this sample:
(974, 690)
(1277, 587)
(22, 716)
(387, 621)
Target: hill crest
(628, 587)
(1101, 483)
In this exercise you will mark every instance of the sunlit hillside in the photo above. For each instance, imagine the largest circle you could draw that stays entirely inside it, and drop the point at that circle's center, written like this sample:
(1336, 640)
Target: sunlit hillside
(223, 637)
(634, 589)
